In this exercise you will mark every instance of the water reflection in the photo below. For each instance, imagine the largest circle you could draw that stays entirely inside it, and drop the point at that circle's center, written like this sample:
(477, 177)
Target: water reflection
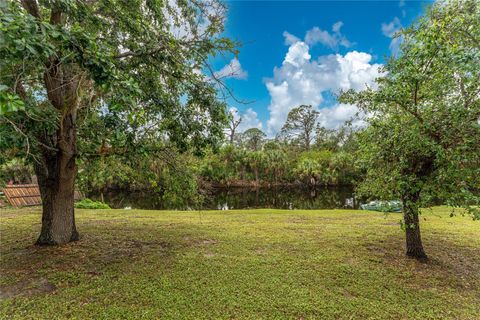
(281, 198)
(244, 198)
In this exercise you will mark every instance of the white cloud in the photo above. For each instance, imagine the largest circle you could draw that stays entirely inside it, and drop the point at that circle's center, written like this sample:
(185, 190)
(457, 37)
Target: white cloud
(334, 117)
(330, 40)
(297, 54)
(301, 80)
(290, 38)
(389, 30)
(336, 26)
(401, 4)
(249, 119)
(232, 70)
(317, 35)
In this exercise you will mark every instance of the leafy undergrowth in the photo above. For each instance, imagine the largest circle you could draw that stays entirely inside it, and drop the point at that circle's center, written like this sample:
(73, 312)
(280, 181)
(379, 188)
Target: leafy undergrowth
(270, 264)
(90, 204)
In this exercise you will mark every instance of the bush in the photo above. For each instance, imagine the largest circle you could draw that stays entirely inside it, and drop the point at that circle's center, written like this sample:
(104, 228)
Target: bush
(90, 204)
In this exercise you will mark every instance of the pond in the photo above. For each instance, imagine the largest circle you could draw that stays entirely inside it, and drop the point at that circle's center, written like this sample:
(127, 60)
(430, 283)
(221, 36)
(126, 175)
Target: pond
(245, 198)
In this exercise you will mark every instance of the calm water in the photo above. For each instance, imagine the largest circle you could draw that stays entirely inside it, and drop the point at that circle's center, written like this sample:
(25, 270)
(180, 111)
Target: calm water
(244, 198)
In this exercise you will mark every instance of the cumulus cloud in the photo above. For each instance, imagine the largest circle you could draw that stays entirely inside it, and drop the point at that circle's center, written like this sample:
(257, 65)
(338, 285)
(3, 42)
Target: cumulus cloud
(389, 30)
(302, 80)
(334, 117)
(297, 54)
(232, 70)
(331, 40)
(249, 119)
(290, 38)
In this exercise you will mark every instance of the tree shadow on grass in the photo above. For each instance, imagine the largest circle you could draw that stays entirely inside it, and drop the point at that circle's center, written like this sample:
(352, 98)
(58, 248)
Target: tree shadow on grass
(449, 264)
(113, 248)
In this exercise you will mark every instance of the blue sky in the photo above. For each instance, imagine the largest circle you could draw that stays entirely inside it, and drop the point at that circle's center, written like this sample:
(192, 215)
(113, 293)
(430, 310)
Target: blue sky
(316, 47)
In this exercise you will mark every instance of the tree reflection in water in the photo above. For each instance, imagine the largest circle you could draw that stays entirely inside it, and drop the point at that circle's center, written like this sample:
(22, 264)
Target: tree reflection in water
(244, 198)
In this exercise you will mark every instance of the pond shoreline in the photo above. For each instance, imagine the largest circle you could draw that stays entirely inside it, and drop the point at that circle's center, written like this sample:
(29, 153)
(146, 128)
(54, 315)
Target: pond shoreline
(240, 197)
(267, 184)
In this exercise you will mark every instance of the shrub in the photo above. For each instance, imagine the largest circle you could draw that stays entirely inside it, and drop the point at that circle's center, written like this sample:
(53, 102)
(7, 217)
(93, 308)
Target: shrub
(90, 204)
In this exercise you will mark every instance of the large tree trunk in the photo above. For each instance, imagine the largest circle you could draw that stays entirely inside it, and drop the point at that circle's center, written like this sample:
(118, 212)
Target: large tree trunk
(55, 166)
(421, 169)
(414, 244)
(56, 174)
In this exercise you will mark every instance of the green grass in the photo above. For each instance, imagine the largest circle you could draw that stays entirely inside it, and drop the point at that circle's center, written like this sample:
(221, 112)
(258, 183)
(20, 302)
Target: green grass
(253, 264)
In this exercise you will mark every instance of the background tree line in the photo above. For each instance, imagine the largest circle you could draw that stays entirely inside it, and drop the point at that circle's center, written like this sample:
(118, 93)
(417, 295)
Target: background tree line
(302, 154)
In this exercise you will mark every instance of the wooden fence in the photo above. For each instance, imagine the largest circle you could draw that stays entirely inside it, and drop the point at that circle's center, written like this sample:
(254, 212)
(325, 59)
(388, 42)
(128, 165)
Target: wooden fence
(20, 195)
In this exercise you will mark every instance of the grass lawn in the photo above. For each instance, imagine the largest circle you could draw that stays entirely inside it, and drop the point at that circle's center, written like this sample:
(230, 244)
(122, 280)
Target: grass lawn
(251, 264)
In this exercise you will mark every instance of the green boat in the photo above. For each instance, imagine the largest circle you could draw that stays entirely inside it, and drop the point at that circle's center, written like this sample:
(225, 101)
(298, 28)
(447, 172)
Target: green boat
(383, 206)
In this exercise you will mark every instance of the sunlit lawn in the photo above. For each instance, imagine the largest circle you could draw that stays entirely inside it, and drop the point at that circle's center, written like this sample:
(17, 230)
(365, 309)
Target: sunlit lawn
(253, 264)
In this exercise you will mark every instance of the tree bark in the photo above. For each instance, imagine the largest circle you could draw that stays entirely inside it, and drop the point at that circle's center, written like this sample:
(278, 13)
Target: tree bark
(413, 238)
(56, 173)
(55, 165)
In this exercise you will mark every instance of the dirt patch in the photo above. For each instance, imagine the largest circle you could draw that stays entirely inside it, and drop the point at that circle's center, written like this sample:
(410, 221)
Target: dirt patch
(199, 242)
(299, 219)
(463, 263)
(260, 251)
(103, 222)
(89, 255)
(94, 273)
(453, 265)
(142, 217)
(207, 242)
(348, 294)
(131, 249)
(396, 224)
(27, 288)
(341, 217)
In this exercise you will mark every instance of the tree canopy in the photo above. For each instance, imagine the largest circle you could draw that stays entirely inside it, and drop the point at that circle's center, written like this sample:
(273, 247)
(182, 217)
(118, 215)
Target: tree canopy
(253, 138)
(144, 63)
(300, 125)
(137, 66)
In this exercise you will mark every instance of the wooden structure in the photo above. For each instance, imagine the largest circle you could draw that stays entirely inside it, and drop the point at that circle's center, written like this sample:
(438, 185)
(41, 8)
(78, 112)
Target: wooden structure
(20, 195)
